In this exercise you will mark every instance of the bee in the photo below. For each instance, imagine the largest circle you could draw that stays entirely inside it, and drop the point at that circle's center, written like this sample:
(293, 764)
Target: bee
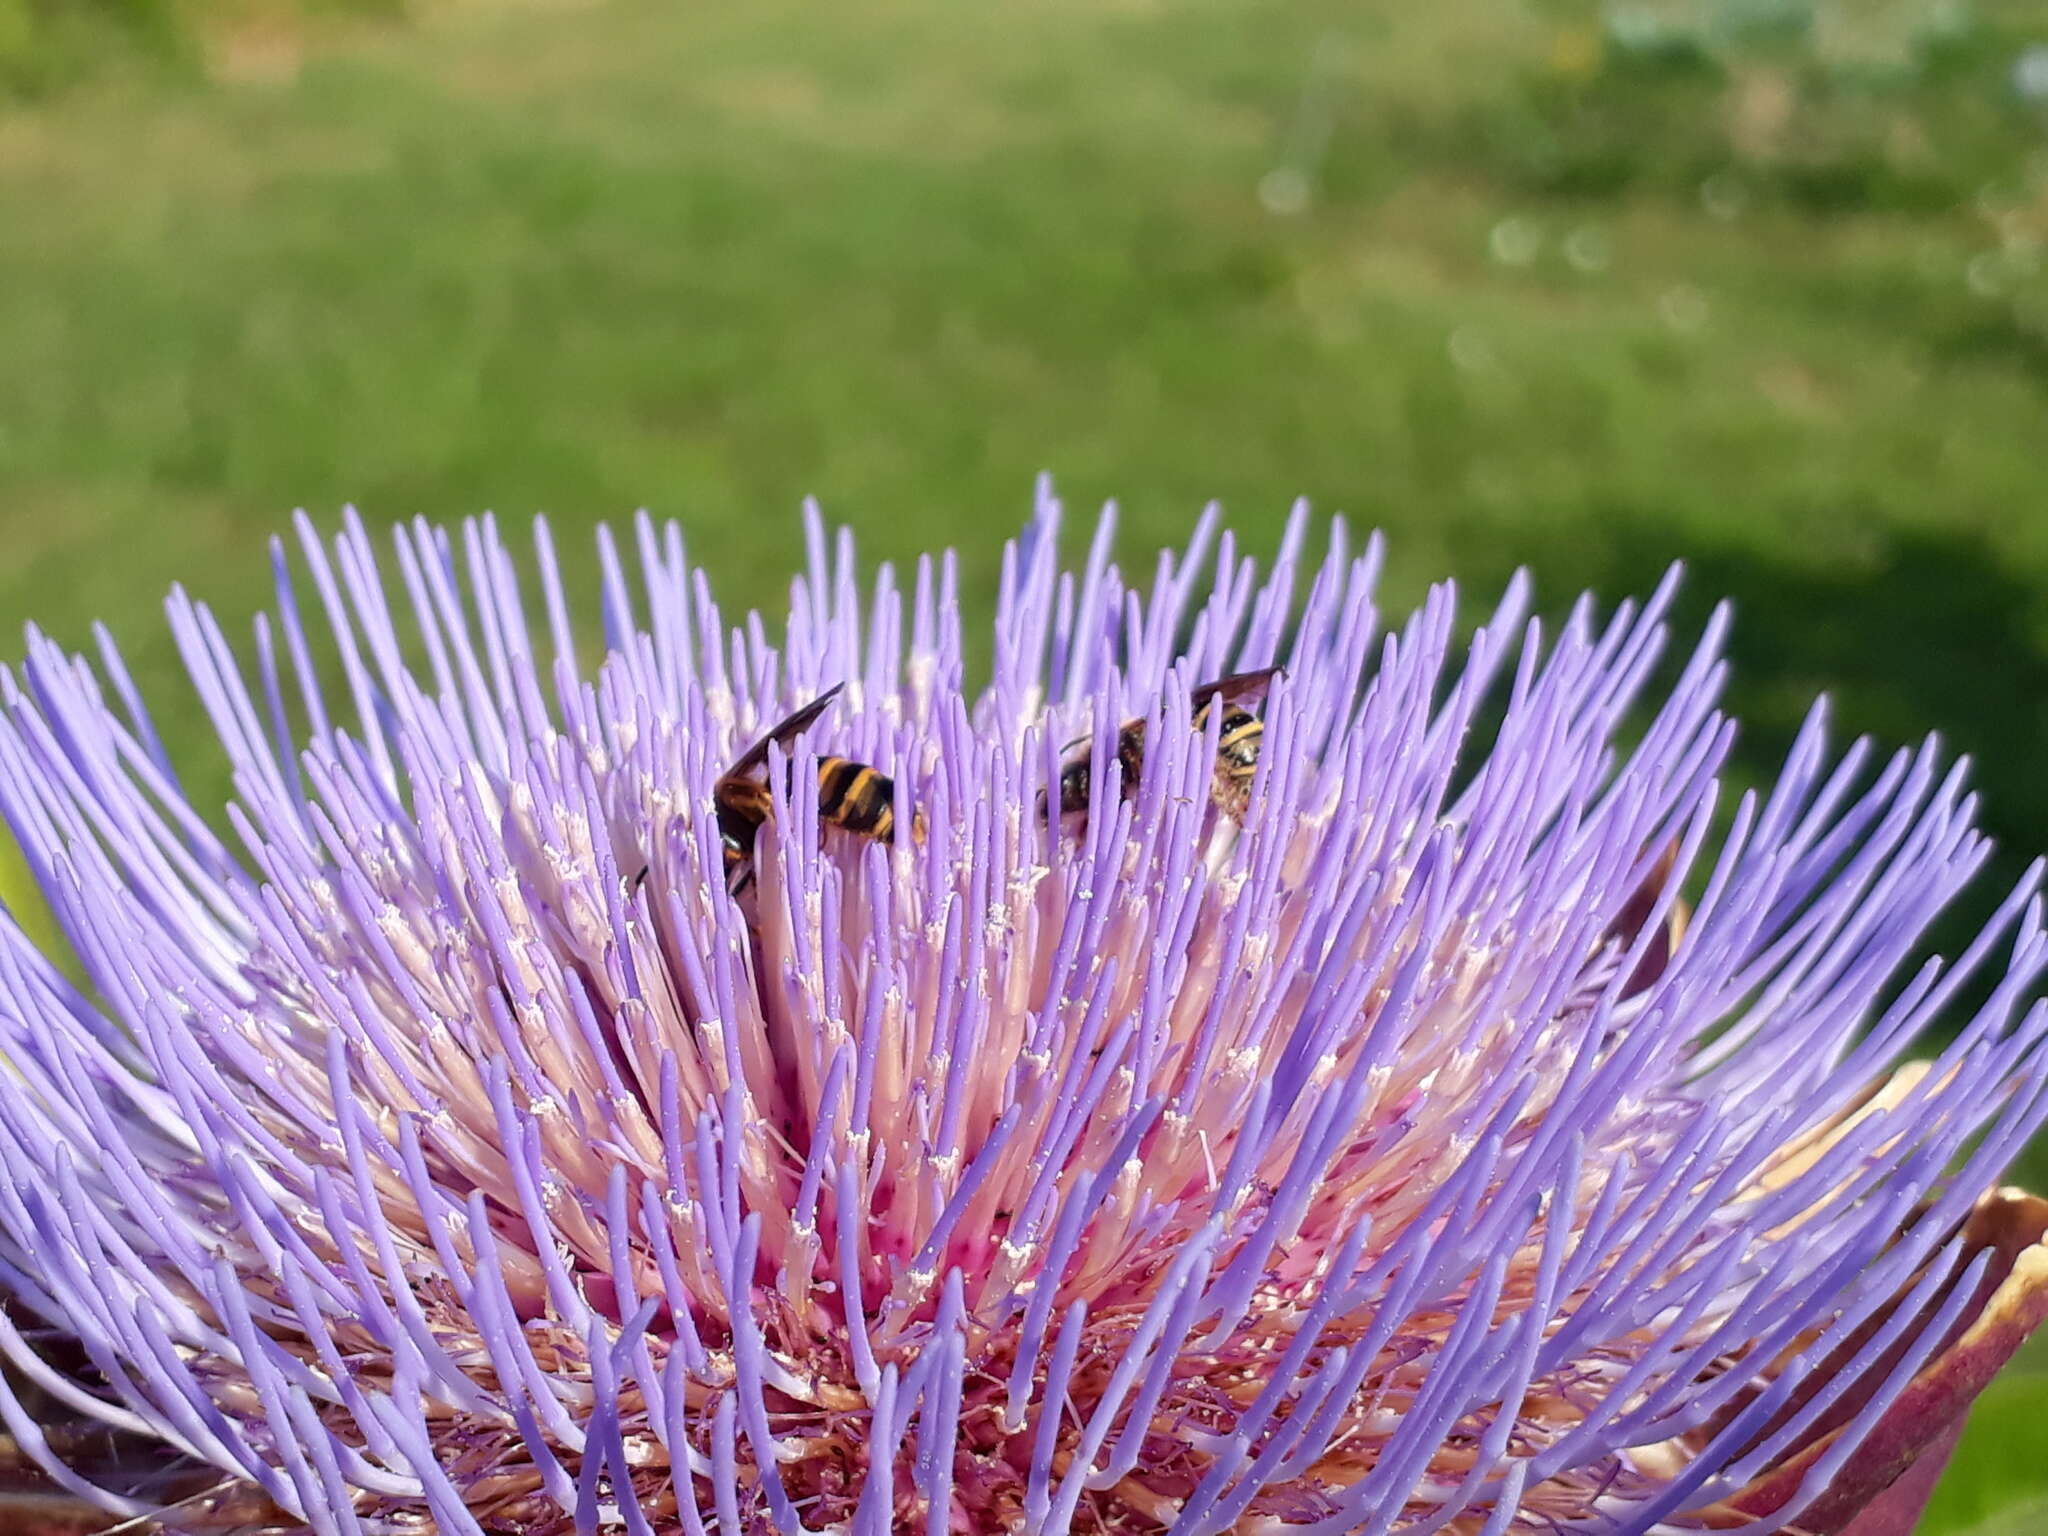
(854, 797)
(1635, 913)
(1237, 747)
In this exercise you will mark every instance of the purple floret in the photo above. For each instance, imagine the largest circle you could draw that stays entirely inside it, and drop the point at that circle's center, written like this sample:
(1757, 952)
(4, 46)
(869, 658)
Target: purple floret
(1491, 1130)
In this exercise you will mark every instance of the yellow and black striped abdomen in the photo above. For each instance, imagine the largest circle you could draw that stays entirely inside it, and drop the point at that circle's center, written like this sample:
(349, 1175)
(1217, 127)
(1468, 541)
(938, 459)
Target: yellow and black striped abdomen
(856, 797)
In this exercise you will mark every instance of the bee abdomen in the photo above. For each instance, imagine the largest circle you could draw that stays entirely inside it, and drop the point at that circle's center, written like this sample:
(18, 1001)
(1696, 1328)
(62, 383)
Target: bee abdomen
(856, 797)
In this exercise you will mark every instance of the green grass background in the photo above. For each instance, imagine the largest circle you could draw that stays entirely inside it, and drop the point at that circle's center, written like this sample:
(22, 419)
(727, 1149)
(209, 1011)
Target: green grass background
(1751, 283)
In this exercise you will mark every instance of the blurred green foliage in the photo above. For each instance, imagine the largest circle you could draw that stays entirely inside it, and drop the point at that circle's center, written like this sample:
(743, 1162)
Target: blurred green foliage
(1995, 1485)
(1755, 283)
(46, 44)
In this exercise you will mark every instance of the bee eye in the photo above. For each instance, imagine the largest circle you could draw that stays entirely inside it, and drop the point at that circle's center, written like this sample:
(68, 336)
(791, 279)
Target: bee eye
(1073, 788)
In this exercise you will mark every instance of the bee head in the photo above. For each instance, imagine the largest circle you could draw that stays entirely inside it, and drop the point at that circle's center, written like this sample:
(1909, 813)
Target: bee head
(1074, 785)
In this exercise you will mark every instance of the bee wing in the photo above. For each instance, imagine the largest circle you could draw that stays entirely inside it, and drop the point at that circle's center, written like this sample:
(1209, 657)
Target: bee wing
(1236, 686)
(1635, 913)
(783, 734)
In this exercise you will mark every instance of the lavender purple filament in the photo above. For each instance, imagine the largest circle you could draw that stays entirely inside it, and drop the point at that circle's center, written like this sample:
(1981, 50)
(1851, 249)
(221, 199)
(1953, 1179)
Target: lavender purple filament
(411, 1159)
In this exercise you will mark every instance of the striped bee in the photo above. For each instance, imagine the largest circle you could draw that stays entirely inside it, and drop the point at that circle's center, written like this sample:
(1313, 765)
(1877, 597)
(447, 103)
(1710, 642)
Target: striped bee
(1237, 746)
(852, 796)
